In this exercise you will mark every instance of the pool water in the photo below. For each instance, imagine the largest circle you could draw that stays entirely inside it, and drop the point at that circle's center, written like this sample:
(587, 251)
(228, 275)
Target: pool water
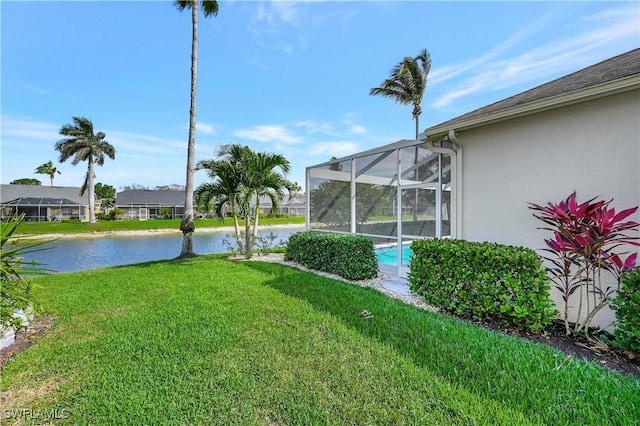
(389, 255)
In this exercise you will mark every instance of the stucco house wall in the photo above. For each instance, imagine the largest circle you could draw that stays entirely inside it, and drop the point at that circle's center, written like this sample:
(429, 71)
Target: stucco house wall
(579, 133)
(592, 148)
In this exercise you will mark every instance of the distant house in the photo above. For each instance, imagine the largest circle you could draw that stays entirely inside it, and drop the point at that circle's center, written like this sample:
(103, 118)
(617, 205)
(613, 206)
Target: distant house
(146, 203)
(43, 203)
(293, 206)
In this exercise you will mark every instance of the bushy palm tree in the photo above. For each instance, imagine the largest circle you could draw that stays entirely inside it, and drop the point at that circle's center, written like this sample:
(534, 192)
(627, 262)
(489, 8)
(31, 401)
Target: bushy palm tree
(407, 83)
(83, 144)
(263, 180)
(209, 8)
(223, 194)
(48, 169)
(240, 177)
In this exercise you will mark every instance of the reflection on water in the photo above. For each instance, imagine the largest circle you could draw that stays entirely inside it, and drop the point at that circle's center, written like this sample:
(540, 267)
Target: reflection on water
(65, 255)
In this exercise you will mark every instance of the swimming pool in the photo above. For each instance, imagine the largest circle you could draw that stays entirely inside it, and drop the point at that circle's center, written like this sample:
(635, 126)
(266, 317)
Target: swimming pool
(389, 255)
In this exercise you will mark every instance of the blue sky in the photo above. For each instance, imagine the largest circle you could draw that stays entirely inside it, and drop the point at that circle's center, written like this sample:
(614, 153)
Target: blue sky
(291, 78)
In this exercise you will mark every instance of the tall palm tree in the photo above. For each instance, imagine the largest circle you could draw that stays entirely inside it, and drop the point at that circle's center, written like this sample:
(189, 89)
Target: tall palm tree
(83, 145)
(48, 169)
(209, 8)
(407, 83)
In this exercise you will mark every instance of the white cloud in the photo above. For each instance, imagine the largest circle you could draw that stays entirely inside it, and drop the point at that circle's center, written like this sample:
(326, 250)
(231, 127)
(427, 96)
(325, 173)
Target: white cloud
(351, 126)
(35, 89)
(125, 141)
(313, 126)
(268, 133)
(27, 128)
(550, 60)
(282, 24)
(337, 148)
(205, 128)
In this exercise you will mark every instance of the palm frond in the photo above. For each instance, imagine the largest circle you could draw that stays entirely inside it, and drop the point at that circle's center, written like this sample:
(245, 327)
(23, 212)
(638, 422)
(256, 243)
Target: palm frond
(407, 82)
(209, 7)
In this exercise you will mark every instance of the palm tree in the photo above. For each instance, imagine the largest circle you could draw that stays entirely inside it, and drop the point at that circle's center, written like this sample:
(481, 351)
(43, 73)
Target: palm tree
(48, 169)
(209, 7)
(82, 144)
(241, 176)
(264, 181)
(224, 192)
(407, 83)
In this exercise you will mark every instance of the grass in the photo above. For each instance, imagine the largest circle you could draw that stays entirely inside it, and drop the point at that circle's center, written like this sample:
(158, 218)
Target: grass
(73, 227)
(213, 342)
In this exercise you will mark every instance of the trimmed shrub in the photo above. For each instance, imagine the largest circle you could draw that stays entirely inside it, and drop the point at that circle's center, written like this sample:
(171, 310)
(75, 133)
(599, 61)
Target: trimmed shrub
(483, 281)
(627, 307)
(350, 256)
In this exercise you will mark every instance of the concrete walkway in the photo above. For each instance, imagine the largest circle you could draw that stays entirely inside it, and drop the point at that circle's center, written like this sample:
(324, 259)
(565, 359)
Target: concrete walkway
(393, 282)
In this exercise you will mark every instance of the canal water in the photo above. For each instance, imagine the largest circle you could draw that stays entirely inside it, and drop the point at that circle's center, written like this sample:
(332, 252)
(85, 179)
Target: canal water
(76, 254)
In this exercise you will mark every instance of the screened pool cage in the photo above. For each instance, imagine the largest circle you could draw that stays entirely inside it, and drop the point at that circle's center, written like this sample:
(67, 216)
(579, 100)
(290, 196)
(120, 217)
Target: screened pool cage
(37, 209)
(393, 194)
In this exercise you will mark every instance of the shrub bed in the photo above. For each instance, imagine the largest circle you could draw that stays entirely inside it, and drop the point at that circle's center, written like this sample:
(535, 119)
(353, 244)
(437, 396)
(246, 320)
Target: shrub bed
(627, 308)
(483, 281)
(350, 256)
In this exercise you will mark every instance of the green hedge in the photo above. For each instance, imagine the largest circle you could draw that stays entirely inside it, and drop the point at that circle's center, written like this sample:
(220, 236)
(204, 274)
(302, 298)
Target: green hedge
(483, 281)
(350, 256)
(627, 308)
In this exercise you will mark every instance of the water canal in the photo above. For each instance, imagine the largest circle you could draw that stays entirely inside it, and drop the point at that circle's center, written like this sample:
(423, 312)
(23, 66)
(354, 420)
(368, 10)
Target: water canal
(76, 254)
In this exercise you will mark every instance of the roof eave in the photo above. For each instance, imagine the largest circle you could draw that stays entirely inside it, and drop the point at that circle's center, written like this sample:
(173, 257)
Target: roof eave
(593, 92)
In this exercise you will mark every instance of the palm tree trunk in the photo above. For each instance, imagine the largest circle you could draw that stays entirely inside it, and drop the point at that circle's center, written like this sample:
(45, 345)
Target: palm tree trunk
(247, 235)
(255, 222)
(91, 192)
(237, 230)
(415, 163)
(189, 227)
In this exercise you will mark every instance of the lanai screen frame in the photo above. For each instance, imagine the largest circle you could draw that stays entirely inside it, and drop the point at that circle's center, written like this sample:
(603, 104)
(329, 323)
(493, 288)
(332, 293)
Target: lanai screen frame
(410, 178)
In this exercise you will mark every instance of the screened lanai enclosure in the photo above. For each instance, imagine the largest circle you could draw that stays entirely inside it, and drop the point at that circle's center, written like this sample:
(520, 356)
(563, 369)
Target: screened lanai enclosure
(393, 194)
(38, 209)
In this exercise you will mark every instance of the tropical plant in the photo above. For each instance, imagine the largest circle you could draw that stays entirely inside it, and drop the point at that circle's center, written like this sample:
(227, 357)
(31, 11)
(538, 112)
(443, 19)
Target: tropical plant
(15, 290)
(83, 144)
(223, 194)
(241, 177)
(209, 8)
(407, 83)
(25, 181)
(263, 180)
(107, 195)
(584, 252)
(48, 169)
(164, 213)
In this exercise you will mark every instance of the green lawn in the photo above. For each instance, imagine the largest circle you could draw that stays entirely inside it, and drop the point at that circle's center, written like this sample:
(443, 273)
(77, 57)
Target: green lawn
(207, 341)
(71, 227)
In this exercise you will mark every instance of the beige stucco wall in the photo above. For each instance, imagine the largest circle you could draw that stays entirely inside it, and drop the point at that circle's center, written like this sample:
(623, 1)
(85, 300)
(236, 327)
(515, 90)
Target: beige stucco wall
(591, 147)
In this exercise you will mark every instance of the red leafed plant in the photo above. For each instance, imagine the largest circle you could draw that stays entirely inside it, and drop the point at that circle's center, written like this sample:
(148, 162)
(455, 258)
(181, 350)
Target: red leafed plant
(583, 248)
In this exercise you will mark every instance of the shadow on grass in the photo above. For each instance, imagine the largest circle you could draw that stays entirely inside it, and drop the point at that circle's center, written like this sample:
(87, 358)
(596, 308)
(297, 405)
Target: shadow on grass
(184, 262)
(516, 372)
